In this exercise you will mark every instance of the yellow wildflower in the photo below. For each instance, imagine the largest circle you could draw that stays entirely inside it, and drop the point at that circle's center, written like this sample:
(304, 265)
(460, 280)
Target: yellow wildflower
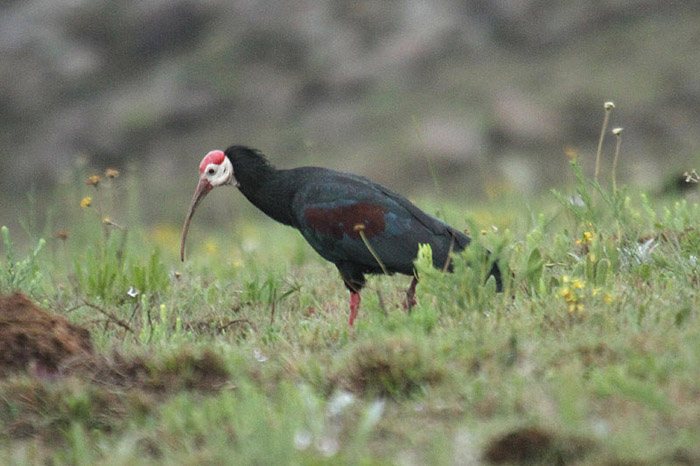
(578, 284)
(94, 180)
(86, 202)
(586, 238)
(573, 307)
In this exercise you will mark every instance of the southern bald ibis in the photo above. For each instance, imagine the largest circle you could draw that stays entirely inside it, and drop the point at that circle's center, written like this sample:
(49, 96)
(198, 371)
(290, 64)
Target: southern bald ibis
(338, 214)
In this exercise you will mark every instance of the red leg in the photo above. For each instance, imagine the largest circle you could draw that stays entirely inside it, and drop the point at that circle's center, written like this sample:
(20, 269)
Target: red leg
(411, 295)
(354, 306)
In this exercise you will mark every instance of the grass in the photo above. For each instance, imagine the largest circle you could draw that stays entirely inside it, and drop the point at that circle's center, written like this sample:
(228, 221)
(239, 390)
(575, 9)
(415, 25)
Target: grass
(242, 355)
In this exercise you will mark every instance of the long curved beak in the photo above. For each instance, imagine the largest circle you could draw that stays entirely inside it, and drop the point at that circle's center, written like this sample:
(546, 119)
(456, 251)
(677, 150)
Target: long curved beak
(200, 193)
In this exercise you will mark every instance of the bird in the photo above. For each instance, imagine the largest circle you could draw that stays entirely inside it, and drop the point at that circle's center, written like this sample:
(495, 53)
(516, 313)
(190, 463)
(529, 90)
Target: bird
(351, 221)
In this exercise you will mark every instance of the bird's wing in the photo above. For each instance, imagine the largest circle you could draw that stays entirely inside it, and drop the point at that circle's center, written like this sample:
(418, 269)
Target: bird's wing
(438, 227)
(334, 210)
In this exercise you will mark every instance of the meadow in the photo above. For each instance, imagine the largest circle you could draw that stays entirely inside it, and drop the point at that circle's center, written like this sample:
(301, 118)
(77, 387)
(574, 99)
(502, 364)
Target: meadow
(243, 355)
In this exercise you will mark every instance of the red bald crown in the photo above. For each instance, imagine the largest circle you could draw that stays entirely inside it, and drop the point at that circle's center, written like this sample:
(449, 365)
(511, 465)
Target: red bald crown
(215, 157)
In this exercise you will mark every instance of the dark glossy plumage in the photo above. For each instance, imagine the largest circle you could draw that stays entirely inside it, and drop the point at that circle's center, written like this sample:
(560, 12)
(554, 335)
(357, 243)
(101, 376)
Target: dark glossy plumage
(326, 206)
(332, 210)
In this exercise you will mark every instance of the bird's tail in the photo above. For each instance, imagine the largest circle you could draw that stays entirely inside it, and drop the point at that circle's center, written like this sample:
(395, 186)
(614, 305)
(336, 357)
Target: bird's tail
(496, 274)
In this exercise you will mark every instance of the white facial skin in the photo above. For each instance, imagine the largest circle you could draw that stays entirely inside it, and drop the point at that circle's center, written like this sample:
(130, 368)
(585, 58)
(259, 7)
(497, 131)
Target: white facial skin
(219, 174)
(213, 175)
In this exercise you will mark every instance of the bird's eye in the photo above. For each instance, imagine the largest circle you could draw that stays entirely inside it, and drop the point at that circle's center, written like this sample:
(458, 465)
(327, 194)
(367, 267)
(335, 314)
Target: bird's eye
(211, 171)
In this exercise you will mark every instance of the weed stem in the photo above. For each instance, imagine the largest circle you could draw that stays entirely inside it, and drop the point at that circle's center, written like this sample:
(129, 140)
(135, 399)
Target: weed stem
(427, 159)
(608, 109)
(618, 135)
(370, 248)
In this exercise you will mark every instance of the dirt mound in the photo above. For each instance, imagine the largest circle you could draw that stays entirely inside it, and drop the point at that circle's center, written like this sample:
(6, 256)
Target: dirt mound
(530, 445)
(31, 338)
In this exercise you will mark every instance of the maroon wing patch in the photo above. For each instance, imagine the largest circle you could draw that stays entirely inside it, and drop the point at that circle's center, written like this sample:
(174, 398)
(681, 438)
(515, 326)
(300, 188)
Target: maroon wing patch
(347, 220)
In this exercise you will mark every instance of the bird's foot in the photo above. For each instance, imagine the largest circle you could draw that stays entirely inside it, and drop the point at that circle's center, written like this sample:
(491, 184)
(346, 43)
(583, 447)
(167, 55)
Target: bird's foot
(409, 302)
(354, 306)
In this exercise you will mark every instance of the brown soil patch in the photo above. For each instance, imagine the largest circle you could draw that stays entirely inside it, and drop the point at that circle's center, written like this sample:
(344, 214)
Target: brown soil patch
(100, 392)
(32, 339)
(202, 371)
(531, 445)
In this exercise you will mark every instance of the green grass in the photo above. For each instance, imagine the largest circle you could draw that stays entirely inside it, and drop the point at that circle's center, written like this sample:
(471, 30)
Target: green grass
(242, 355)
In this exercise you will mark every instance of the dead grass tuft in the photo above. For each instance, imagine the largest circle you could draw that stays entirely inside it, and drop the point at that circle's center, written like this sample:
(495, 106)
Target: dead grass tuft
(395, 367)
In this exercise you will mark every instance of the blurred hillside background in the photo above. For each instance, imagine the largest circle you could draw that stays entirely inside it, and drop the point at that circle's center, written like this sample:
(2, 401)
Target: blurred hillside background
(491, 92)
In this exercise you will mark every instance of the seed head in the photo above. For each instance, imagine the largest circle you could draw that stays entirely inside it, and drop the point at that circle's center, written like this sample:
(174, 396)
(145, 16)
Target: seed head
(571, 152)
(111, 173)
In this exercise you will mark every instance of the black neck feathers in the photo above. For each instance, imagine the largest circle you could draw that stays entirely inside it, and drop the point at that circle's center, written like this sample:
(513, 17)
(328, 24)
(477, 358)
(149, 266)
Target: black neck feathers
(262, 184)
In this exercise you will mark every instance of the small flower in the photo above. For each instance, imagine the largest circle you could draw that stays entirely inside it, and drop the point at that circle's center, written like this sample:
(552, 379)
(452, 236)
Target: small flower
(111, 223)
(578, 284)
(111, 173)
(359, 227)
(586, 238)
(94, 180)
(609, 106)
(574, 307)
(133, 292)
(86, 202)
(692, 177)
(62, 235)
(484, 232)
(617, 131)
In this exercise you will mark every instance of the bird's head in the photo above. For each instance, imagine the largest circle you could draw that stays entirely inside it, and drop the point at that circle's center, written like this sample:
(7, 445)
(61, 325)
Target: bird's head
(215, 169)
